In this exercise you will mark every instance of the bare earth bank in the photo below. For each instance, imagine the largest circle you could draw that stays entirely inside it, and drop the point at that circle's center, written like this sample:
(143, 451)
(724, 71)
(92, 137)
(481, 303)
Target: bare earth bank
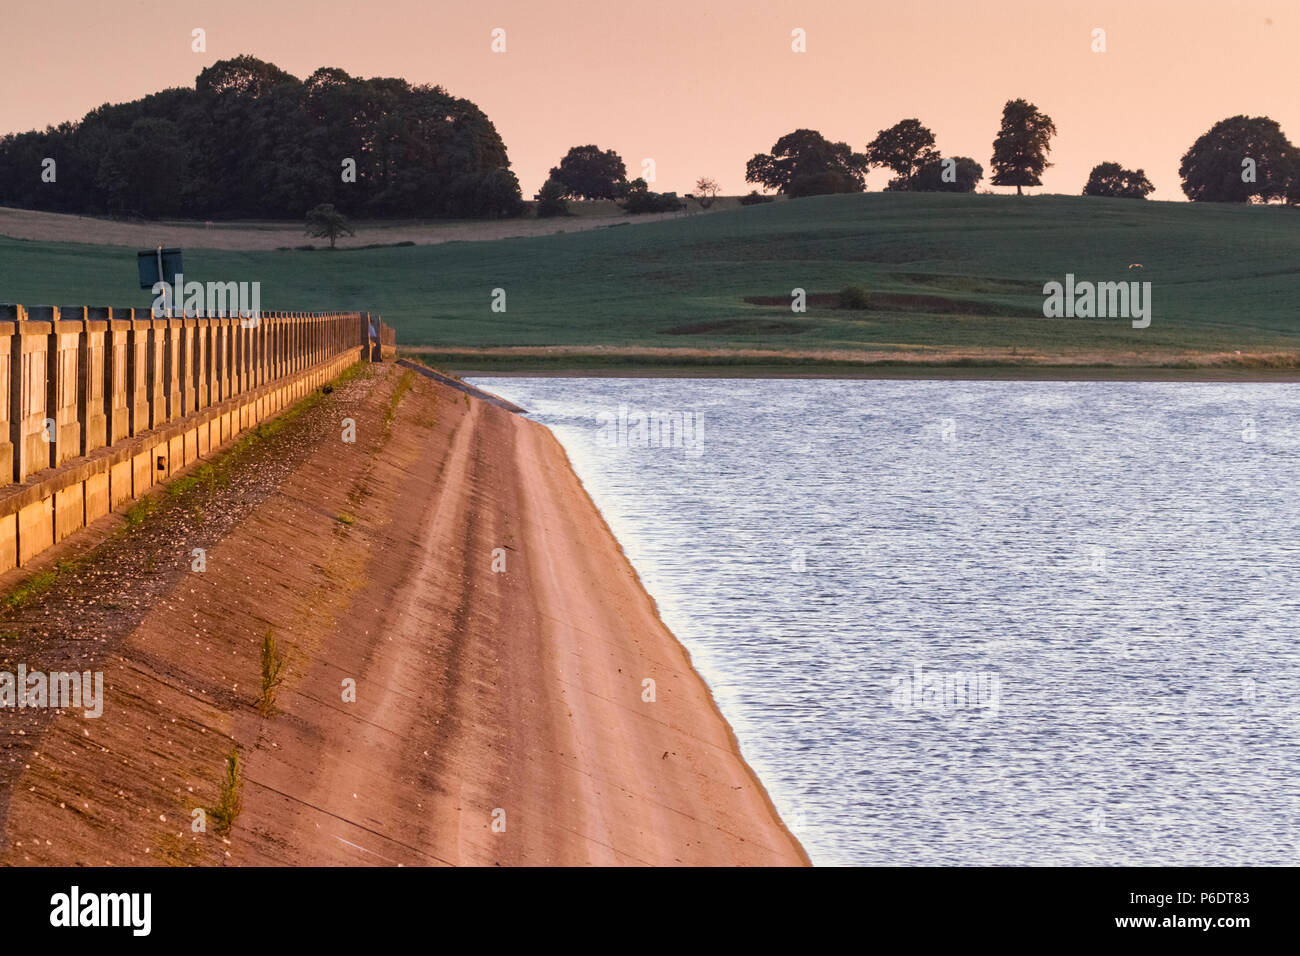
(482, 696)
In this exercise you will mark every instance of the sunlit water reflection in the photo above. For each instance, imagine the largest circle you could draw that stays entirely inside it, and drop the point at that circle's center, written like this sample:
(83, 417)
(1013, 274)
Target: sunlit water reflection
(1098, 583)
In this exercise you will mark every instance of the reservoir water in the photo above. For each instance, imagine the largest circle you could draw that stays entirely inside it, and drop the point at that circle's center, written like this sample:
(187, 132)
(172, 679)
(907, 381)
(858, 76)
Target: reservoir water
(970, 622)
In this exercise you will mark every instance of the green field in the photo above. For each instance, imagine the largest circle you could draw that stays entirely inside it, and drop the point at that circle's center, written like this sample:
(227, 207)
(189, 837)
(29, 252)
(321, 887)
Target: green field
(951, 279)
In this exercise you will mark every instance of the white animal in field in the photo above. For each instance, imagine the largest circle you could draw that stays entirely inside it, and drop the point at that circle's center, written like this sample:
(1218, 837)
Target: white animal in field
(209, 225)
(1135, 265)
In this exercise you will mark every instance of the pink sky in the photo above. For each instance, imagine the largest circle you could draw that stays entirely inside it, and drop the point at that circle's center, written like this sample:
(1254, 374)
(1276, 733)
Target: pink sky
(700, 87)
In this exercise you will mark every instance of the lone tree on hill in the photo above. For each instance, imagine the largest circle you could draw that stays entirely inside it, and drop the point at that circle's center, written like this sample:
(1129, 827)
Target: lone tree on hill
(1241, 159)
(587, 172)
(906, 147)
(324, 221)
(1112, 179)
(805, 163)
(706, 190)
(1021, 147)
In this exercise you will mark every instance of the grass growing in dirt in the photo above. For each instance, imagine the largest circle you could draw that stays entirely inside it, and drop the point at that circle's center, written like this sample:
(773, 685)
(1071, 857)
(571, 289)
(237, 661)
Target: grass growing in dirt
(32, 587)
(272, 673)
(399, 391)
(141, 510)
(229, 801)
(206, 476)
(39, 583)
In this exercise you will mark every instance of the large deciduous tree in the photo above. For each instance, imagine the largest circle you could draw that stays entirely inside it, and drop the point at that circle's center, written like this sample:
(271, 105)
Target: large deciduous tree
(906, 147)
(805, 163)
(587, 172)
(1241, 159)
(1022, 144)
(1112, 179)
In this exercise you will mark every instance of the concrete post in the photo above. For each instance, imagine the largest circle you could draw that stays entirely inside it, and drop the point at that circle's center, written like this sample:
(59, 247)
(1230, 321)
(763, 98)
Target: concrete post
(291, 340)
(235, 333)
(202, 362)
(154, 332)
(61, 385)
(250, 336)
(91, 370)
(171, 329)
(216, 391)
(185, 384)
(11, 340)
(140, 371)
(28, 395)
(245, 357)
(117, 359)
(194, 363)
(259, 334)
(228, 386)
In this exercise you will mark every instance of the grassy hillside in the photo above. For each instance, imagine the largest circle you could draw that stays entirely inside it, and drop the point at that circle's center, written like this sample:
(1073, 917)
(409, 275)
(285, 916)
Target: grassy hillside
(277, 234)
(950, 278)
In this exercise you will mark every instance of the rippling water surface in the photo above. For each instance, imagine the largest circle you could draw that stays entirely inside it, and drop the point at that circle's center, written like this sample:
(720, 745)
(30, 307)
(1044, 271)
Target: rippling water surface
(978, 622)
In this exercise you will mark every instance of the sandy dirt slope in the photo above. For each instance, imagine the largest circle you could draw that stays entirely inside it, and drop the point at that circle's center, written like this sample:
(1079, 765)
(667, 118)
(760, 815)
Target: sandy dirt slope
(512, 696)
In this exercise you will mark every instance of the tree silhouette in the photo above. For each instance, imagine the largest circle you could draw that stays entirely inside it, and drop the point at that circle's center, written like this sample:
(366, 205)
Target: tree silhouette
(378, 147)
(551, 200)
(1021, 147)
(1240, 159)
(324, 221)
(805, 163)
(1112, 179)
(905, 147)
(706, 190)
(588, 173)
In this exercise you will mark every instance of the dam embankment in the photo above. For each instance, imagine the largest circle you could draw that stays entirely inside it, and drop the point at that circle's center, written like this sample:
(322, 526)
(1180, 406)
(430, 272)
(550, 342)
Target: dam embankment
(464, 653)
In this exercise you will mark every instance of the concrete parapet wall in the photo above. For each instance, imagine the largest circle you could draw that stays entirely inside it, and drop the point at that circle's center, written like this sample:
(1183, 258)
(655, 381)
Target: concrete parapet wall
(97, 405)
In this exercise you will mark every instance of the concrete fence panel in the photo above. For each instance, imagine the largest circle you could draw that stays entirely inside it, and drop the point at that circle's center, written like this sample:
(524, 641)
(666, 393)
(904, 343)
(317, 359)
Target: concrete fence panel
(99, 404)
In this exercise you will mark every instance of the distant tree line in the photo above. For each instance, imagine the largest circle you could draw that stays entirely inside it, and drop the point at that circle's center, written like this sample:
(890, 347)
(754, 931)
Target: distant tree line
(1241, 159)
(251, 140)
